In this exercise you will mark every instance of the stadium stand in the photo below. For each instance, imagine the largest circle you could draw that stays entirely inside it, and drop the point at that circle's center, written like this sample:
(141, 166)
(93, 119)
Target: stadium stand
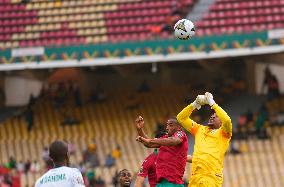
(110, 123)
(227, 16)
(55, 23)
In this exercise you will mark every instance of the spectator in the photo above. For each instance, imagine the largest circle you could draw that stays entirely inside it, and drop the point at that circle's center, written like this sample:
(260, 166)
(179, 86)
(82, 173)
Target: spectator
(242, 128)
(100, 182)
(116, 153)
(77, 94)
(260, 122)
(12, 163)
(27, 166)
(144, 87)
(82, 167)
(110, 161)
(20, 167)
(45, 154)
(91, 175)
(270, 80)
(71, 148)
(92, 146)
(29, 117)
(35, 167)
(115, 179)
(94, 161)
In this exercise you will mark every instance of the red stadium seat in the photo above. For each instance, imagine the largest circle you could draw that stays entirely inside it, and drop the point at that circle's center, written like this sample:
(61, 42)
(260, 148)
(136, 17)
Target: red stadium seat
(244, 15)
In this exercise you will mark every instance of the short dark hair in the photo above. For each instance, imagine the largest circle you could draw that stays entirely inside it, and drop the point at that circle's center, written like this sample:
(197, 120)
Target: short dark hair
(58, 151)
(174, 119)
(123, 170)
(160, 134)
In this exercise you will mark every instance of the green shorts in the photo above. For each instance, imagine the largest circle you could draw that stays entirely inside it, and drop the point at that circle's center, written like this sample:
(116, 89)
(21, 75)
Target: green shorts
(165, 183)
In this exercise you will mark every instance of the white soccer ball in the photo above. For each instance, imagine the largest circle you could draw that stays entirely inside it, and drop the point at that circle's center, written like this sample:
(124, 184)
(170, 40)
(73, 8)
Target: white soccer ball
(184, 29)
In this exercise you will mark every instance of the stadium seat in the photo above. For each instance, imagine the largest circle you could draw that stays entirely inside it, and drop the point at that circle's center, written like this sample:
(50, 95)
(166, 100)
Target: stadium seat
(259, 15)
(41, 16)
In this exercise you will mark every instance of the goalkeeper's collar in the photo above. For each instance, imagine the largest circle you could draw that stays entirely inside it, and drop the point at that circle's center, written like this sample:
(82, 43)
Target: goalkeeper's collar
(156, 150)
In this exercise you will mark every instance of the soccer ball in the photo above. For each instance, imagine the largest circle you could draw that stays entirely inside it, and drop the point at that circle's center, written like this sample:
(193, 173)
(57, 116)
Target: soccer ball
(184, 29)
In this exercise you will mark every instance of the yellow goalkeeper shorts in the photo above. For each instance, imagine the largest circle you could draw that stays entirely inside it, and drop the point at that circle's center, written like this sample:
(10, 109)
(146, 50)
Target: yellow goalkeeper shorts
(205, 180)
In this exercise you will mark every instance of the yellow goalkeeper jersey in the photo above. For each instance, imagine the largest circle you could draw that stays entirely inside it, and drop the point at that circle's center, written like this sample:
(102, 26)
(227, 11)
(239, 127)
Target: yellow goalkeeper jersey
(210, 144)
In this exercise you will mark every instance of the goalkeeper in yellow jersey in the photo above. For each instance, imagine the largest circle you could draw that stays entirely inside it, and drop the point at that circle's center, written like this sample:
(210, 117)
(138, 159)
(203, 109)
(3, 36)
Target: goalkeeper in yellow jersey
(211, 142)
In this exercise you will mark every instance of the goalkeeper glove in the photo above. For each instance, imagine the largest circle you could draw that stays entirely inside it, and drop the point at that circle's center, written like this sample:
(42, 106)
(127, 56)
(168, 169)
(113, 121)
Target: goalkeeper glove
(209, 99)
(199, 101)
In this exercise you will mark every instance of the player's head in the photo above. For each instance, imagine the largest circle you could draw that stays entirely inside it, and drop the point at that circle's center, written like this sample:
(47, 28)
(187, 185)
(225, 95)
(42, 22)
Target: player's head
(160, 133)
(172, 126)
(58, 152)
(125, 178)
(214, 122)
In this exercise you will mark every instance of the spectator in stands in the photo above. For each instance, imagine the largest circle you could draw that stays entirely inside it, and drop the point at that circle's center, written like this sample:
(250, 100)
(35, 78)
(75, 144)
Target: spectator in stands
(12, 163)
(116, 153)
(35, 167)
(60, 96)
(155, 30)
(20, 166)
(92, 146)
(249, 116)
(77, 94)
(86, 156)
(242, 127)
(110, 161)
(94, 161)
(90, 174)
(168, 26)
(8, 180)
(100, 182)
(71, 148)
(144, 87)
(25, 1)
(45, 154)
(262, 117)
(29, 113)
(27, 166)
(271, 81)
(115, 179)
(125, 178)
(98, 95)
(82, 167)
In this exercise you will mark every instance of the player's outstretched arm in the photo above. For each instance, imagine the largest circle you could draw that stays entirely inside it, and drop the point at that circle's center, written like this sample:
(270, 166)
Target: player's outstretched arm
(227, 125)
(139, 122)
(170, 141)
(224, 117)
(158, 142)
(183, 116)
(146, 142)
(139, 182)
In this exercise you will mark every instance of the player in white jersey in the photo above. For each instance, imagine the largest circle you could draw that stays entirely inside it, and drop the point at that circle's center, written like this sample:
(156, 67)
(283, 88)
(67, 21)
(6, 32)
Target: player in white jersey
(61, 175)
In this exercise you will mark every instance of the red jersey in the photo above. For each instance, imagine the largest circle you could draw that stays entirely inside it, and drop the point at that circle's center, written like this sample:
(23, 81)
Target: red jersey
(148, 168)
(171, 160)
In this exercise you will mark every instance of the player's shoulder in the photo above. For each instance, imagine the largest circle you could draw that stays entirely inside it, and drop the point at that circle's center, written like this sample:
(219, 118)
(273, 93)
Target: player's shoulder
(72, 171)
(150, 157)
(180, 133)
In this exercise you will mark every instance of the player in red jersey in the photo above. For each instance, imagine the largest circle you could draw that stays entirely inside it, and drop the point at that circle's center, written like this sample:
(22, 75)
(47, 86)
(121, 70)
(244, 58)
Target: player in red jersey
(172, 155)
(148, 168)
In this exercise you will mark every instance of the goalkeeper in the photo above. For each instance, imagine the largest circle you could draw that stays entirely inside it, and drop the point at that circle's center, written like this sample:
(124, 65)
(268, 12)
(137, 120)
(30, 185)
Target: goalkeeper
(211, 142)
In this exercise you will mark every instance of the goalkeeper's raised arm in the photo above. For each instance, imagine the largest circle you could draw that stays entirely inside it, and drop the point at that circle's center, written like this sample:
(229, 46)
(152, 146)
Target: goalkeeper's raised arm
(184, 116)
(226, 123)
